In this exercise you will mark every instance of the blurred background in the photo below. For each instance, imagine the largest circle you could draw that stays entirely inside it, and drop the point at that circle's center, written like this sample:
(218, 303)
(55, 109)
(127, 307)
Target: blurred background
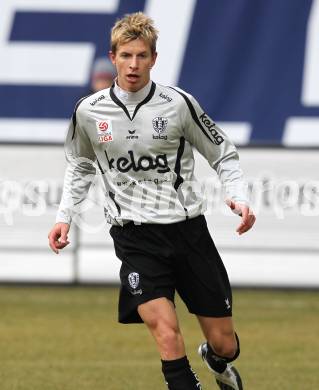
(253, 66)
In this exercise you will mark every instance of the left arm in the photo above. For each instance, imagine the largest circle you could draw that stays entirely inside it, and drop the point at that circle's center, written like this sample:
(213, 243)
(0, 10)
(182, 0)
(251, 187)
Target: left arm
(231, 176)
(202, 132)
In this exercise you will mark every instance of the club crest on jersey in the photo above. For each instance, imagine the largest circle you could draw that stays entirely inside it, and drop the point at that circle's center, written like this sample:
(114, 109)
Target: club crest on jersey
(159, 125)
(104, 131)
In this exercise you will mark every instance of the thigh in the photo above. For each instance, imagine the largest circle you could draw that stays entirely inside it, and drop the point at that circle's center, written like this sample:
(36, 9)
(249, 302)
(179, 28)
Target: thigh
(202, 280)
(214, 328)
(158, 311)
(145, 274)
(160, 317)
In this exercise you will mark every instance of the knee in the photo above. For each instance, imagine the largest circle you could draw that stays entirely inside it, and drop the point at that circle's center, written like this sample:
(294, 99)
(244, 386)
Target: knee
(167, 336)
(224, 346)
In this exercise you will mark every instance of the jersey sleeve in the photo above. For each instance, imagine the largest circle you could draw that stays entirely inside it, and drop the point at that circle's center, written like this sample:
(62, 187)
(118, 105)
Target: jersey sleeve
(213, 143)
(80, 171)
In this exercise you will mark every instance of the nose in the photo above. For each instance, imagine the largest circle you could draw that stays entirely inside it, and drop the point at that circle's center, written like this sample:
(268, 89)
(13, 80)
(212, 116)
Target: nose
(134, 63)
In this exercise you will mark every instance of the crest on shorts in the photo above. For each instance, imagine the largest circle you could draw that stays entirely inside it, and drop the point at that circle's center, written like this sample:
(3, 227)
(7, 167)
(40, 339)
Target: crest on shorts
(134, 279)
(160, 124)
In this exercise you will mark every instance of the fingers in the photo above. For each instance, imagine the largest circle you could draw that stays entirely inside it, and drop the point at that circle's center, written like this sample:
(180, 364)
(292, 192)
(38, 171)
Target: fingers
(247, 216)
(64, 234)
(235, 207)
(58, 238)
(53, 237)
(230, 203)
(247, 220)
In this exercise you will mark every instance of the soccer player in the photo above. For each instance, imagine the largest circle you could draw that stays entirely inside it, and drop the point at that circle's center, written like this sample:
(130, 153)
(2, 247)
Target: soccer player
(138, 135)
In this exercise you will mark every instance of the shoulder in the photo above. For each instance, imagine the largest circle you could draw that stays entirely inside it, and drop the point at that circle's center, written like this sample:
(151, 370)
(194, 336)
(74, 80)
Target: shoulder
(89, 101)
(85, 106)
(174, 94)
(181, 95)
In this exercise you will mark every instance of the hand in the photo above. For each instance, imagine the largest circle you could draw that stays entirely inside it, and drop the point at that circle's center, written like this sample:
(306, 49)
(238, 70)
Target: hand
(58, 236)
(247, 216)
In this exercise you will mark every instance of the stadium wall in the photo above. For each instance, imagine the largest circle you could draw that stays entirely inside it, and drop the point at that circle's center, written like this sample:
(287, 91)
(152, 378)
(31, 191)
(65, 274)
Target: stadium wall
(282, 249)
(253, 66)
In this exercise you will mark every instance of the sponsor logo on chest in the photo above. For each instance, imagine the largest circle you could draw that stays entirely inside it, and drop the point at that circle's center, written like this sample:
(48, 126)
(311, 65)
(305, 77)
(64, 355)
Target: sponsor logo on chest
(141, 163)
(104, 131)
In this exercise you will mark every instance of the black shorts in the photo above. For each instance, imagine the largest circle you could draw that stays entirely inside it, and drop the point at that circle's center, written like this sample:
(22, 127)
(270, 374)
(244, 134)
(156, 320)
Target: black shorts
(159, 259)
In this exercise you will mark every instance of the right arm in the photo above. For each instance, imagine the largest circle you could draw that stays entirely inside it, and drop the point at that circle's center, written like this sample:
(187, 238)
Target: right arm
(78, 177)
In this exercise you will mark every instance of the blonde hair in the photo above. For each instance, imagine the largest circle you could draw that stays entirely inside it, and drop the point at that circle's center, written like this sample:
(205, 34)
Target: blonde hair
(133, 26)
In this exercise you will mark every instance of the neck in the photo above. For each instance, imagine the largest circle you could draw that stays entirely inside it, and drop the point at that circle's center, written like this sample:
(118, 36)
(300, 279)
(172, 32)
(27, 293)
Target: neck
(135, 97)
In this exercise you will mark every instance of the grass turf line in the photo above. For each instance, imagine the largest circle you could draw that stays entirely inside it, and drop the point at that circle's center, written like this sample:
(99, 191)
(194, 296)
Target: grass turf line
(60, 338)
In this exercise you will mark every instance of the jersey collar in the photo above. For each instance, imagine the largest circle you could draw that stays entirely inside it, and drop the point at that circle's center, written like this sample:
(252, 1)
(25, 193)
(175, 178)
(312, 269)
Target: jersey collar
(144, 95)
(127, 97)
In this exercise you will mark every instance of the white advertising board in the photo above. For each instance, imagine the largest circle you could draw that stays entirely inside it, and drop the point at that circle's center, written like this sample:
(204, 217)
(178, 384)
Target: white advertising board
(281, 250)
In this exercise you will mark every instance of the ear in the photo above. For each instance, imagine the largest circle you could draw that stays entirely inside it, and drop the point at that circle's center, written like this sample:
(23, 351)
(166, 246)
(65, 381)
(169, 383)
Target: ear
(154, 56)
(112, 57)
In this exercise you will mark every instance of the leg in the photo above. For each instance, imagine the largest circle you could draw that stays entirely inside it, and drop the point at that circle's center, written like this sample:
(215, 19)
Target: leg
(221, 348)
(159, 315)
(220, 334)
(147, 292)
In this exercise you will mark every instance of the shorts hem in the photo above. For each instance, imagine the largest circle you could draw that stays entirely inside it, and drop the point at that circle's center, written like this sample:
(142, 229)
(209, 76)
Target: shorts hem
(210, 314)
(132, 317)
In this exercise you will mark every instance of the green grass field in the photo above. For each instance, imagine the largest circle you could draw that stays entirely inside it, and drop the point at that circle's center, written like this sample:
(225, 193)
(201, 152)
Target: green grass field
(60, 338)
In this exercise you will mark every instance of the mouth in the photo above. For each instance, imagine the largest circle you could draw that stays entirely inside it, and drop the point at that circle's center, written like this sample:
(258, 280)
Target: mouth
(132, 77)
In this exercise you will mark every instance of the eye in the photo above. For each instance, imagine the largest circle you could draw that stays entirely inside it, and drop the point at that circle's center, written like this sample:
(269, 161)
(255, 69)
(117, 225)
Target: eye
(124, 55)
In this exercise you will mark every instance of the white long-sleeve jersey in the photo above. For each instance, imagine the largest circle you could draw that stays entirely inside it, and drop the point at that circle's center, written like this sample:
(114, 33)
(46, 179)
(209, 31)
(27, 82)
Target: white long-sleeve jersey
(141, 143)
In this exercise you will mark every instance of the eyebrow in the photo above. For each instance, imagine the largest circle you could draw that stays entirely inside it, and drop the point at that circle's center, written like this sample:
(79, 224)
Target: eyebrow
(126, 52)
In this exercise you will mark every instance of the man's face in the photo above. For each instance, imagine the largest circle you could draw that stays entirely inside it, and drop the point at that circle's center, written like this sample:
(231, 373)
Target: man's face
(133, 62)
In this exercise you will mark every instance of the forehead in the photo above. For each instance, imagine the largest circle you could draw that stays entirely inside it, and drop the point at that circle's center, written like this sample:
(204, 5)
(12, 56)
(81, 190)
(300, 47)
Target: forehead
(135, 45)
